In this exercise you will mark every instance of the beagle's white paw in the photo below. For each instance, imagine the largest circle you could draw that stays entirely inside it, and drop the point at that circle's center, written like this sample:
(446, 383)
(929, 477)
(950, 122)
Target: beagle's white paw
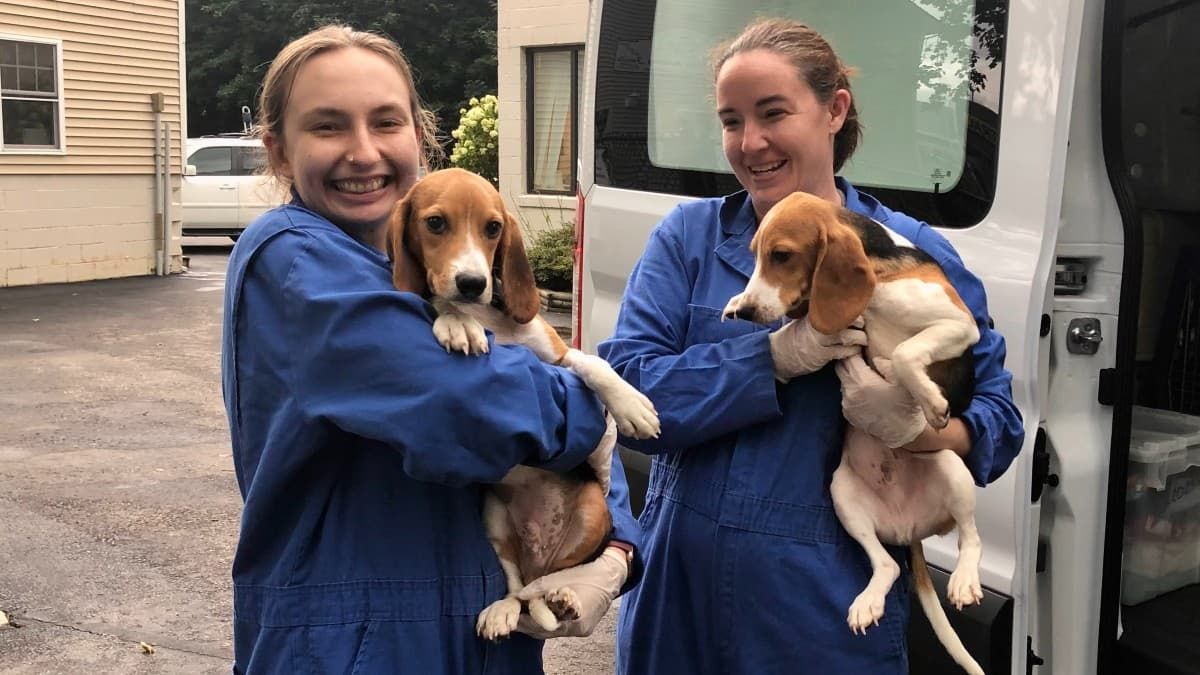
(460, 333)
(964, 588)
(564, 603)
(498, 619)
(633, 412)
(936, 408)
(865, 611)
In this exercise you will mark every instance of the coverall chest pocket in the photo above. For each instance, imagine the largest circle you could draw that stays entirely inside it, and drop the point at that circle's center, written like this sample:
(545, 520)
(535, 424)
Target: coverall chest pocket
(705, 326)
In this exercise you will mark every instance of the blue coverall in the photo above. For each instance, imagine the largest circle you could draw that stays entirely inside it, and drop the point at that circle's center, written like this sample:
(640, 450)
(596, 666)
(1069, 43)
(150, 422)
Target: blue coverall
(747, 569)
(360, 446)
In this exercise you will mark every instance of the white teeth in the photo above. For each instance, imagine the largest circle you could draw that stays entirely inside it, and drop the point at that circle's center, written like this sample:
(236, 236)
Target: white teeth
(767, 168)
(359, 186)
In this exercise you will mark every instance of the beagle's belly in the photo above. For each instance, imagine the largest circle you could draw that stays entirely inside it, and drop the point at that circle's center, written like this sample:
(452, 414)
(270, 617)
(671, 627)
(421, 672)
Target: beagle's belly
(556, 521)
(905, 491)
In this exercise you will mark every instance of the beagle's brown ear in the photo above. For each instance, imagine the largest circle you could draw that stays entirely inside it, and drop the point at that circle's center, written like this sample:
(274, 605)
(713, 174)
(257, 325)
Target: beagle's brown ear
(408, 274)
(521, 300)
(843, 280)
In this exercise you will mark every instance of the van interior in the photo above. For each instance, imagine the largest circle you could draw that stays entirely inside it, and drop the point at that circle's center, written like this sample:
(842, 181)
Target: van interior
(1160, 165)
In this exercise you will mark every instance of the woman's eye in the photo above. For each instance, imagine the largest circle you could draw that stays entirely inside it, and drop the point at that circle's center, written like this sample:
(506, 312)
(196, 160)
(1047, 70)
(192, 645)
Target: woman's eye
(780, 257)
(492, 229)
(729, 124)
(436, 224)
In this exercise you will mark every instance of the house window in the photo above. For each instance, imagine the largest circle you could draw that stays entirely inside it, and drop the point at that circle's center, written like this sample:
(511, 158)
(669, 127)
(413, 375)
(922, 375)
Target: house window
(552, 114)
(30, 94)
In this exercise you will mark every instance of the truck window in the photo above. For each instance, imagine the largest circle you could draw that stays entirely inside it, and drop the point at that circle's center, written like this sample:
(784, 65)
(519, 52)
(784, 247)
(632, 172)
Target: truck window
(928, 90)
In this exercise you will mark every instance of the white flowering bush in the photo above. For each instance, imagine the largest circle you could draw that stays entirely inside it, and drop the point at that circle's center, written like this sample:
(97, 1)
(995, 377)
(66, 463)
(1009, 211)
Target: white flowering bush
(477, 138)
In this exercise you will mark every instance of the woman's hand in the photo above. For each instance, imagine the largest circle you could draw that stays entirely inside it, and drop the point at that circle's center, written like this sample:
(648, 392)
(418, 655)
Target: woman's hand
(882, 409)
(798, 349)
(588, 588)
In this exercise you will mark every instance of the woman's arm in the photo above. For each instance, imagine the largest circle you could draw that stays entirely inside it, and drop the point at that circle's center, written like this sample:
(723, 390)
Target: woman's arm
(703, 390)
(364, 359)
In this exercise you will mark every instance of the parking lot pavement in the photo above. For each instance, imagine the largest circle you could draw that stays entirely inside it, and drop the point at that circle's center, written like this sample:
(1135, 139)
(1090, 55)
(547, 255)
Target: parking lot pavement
(118, 503)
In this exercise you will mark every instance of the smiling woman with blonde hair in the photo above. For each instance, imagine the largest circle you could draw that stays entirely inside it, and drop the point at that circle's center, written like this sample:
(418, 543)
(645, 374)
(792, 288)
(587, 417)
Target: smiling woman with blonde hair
(361, 446)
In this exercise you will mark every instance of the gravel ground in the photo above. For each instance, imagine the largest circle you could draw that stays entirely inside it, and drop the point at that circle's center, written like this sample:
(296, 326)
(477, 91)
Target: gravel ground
(118, 500)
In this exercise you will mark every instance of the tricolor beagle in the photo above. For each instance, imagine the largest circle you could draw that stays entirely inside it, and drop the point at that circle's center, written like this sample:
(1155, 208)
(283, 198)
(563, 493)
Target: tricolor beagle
(815, 258)
(452, 240)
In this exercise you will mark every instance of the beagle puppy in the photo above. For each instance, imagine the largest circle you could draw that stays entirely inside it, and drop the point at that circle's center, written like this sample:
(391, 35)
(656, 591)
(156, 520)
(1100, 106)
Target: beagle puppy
(452, 240)
(817, 259)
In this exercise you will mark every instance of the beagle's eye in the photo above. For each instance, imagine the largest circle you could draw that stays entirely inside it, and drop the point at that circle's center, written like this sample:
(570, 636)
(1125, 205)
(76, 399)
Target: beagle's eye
(436, 224)
(780, 256)
(492, 229)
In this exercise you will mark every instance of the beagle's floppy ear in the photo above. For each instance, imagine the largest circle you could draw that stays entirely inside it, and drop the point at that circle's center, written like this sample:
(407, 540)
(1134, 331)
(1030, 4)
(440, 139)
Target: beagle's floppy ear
(518, 289)
(408, 274)
(843, 280)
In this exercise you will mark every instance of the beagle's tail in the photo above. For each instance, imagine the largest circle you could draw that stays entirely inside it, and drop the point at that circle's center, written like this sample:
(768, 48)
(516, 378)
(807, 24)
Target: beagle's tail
(932, 606)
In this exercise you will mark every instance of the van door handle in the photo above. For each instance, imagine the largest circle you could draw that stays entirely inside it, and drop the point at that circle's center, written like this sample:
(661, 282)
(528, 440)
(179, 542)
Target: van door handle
(227, 187)
(1083, 336)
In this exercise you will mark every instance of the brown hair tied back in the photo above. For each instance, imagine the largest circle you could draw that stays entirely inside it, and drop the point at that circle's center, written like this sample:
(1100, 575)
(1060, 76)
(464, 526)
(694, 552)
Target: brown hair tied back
(816, 63)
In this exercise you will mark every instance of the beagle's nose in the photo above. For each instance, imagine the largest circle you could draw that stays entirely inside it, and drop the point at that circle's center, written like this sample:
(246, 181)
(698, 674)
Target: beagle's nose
(470, 286)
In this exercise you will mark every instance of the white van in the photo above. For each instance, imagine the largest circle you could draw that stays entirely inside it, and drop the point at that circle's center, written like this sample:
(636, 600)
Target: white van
(1056, 143)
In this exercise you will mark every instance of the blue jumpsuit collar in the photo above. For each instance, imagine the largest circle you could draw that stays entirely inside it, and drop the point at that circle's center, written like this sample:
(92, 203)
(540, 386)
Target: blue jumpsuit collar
(737, 213)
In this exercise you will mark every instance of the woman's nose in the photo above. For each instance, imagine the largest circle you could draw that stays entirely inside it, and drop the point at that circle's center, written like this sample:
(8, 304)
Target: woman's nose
(753, 137)
(363, 147)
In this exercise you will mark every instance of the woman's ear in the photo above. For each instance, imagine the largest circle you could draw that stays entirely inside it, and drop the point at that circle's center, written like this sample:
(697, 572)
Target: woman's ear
(276, 155)
(518, 288)
(408, 274)
(839, 107)
(843, 280)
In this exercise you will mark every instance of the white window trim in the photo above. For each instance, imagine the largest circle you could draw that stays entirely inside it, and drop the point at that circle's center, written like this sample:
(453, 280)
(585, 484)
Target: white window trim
(62, 104)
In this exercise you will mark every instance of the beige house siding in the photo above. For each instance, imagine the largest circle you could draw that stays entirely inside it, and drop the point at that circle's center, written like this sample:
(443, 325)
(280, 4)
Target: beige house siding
(87, 211)
(522, 24)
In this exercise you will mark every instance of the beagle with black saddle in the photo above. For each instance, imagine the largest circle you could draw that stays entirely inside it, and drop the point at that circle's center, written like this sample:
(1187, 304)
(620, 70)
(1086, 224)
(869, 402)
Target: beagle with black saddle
(452, 240)
(817, 259)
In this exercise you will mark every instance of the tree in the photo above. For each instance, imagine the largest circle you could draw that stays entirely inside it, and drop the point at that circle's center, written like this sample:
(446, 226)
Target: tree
(230, 44)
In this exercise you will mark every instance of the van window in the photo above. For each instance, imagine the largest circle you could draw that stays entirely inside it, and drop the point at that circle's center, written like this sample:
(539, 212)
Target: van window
(928, 92)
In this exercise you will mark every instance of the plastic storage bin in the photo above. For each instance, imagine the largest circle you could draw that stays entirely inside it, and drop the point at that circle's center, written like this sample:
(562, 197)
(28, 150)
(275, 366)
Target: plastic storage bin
(1162, 510)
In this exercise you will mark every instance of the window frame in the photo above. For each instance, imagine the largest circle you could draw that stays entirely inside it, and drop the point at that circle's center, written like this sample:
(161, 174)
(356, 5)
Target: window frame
(61, 118)
(576, 52)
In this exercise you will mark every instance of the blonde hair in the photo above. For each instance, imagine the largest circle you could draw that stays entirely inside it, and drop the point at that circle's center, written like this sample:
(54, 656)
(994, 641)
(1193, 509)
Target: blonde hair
(815, 61)
(277, 85)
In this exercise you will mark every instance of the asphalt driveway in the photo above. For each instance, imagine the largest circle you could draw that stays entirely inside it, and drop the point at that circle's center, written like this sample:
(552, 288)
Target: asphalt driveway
(118, 503)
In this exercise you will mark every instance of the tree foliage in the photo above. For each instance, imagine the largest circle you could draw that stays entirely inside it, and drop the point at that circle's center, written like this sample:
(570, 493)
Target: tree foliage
(230, 44)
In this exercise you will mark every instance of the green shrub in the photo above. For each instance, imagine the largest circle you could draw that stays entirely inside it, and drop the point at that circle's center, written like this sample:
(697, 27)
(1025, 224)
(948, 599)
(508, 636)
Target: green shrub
(552, 257)
(477, 139)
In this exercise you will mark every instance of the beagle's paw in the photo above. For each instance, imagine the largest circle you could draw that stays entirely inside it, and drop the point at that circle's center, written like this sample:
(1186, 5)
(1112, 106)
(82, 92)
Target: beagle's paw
(498, 619)
(633, 412)
(564, 603)
(460, 333)
(865, 611)
(936, 409)
(964, 588)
